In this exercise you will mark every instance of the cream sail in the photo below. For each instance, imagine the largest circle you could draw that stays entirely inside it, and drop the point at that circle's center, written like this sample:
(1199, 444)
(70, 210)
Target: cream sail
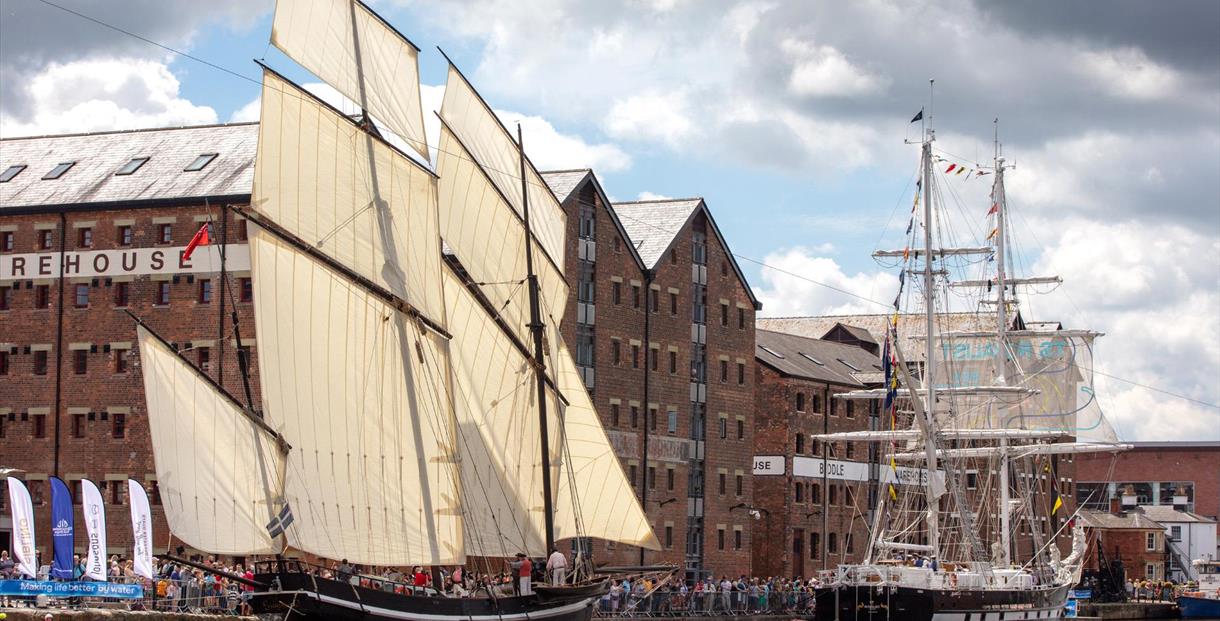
(356, 52)
(216, 468)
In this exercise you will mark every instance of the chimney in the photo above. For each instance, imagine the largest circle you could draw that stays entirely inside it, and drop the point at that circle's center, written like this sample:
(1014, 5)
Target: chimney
(1179, 499)
(1129, 497)
(1116, 506)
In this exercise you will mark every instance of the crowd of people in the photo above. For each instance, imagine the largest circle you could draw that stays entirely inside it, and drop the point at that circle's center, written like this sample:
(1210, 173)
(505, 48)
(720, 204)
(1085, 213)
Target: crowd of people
(709, 596)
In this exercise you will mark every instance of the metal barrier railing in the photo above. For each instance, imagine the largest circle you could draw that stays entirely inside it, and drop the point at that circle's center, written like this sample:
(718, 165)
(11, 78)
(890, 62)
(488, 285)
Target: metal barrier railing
(196, 595)
(702, 603)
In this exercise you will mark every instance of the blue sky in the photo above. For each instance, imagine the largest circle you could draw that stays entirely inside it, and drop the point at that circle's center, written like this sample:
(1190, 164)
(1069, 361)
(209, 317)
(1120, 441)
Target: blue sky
(789, 118)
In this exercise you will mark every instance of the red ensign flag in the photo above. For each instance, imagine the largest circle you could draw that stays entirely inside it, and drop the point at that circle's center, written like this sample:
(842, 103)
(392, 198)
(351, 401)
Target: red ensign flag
(200, 239)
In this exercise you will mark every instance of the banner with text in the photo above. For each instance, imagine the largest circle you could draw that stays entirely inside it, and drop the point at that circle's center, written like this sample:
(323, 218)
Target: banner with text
(123, 262)
(63, 531)
(34, 588)
(22, 508)
(95, 528)
(141, 528)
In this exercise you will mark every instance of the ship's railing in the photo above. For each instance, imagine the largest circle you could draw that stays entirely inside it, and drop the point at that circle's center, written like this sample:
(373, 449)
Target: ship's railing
(705, 604)
(927, 578)
(354, 578)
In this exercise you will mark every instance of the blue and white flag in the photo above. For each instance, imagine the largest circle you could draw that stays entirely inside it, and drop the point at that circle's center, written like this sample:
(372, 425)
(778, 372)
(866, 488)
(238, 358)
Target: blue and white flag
(63, 533)
(22, 508)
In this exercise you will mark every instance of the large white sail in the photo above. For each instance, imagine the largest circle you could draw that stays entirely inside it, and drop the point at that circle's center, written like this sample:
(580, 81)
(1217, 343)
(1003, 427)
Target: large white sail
(356, 52)
(488, 237)
(360, 391)
(349, 195)
(595, 497)
(219, 472)
(490, 144)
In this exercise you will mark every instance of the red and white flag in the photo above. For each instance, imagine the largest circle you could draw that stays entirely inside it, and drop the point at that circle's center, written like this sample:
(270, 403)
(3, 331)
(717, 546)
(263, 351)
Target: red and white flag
(200, 239)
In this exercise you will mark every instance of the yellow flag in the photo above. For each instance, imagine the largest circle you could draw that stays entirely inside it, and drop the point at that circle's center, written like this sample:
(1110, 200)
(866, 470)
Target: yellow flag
(1058, 504)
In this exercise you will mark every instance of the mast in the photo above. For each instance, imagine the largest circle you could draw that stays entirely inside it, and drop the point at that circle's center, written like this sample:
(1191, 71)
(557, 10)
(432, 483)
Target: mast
(1001, 307)
(933, 511)
(536, 327)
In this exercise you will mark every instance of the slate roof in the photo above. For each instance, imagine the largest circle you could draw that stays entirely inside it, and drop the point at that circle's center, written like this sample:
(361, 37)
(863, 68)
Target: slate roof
(98, 156)
(798, 356)
(910, 325)
(1166, 514)
(563, 182)
(1131, 520)
(653, 225)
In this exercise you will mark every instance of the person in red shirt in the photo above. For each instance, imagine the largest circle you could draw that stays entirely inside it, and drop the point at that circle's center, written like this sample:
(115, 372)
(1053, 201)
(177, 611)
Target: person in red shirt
(525, 570)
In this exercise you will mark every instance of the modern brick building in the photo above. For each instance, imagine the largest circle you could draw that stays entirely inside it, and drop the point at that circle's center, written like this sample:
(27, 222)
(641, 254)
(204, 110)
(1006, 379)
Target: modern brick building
(815, 499)
(663, 329)
(92, 227)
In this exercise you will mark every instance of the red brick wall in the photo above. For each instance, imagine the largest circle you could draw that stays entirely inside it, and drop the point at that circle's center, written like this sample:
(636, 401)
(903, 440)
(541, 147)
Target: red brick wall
(1130, 545)
(99, 455)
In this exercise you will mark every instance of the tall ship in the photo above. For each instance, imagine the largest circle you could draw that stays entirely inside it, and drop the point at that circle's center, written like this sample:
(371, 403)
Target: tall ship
(981, 415)
(418, 404)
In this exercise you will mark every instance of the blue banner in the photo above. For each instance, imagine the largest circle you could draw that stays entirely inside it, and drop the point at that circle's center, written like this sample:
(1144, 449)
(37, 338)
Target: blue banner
(32, 588)
(63, 535)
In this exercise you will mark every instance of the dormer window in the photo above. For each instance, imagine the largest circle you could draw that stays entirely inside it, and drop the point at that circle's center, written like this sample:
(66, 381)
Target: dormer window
(771, 351)
(200, 162)
(58, 171)
(10, 172)
(131, 167)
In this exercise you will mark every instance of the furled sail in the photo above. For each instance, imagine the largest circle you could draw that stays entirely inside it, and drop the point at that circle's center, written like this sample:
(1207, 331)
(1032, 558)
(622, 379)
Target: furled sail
(348, 194)
(495, 402)
(488, 237)
(362, 57)
(595, 497)
(486, 139)
(360, 391)
(219, 471)
(1057, 370)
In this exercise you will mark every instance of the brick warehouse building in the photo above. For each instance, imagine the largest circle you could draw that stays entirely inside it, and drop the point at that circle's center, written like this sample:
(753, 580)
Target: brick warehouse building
(115, 210)
(815, 499)
(663, 330)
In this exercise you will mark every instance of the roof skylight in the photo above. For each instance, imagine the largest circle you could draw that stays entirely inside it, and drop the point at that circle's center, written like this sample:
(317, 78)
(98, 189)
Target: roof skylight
(59, 170)
(813, 360)
(10, 172)
(849, 365)
(200, 162)
(132, 166)
(771, 351)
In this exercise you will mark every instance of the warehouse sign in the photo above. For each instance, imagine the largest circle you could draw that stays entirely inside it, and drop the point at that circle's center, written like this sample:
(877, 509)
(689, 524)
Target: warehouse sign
(814, 467)
(123, 262)
(768, 465)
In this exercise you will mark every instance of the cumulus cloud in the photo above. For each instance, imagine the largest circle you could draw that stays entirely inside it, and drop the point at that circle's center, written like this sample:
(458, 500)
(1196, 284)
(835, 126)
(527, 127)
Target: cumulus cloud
(786, 288)
(823, 71)
(651, 196)
(104, 94)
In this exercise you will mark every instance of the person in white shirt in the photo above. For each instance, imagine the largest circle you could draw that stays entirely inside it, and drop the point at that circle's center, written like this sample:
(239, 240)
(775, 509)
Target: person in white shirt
(556, 566)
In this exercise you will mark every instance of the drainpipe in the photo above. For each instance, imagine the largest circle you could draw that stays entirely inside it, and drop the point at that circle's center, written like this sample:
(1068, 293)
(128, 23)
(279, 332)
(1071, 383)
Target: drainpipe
(826, 406)
(59, 334)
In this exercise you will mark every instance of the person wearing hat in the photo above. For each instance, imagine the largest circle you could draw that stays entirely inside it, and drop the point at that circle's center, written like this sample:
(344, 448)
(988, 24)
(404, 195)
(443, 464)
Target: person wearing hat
(557, 566)
(523, 569)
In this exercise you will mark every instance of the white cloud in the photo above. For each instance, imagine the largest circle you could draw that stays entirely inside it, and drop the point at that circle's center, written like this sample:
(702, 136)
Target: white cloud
(659, 116)
(786, 289)
(823, 71)
(104, 94)
(246, 113)
(1128, 72)
(651, 196)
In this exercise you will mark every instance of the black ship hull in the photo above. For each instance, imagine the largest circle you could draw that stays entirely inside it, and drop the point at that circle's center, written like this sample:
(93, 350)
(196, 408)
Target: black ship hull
(900, 603)
(305, 597)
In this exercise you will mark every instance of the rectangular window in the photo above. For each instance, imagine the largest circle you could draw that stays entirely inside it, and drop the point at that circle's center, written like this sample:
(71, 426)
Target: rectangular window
(631, 472)
(719, 538)
(4, 362)
(800, 491)
(635, 296)
(122, 292)
(1151, 542)
(815, 545)
(10, 172)
(800, 402)
(116, 492)
(242, 230)
(616, 352)
(652, 418)
(673, 362)
(82, 296)
(165, 233)
(40, 362)
(46, 239)
(124, 235)
(84, 238)
(736, 540)
(671, 425)
(161, 294)
(131, 167)
(42, 296)
(972, 480)
(741, 374)
(653, 302)
(724, 314)
(851, 409)
(724, 371)
(59, 170)
(205, 358)
(118, 425)
(673, 304)
(120, 361)
(739, 484)
(652, 477)
(6, 241)
(6, 298)
(635, 356)
(78, 425)
(832, 497)
(635, 416)
(669, 479)
(721, 483)
(40, 425)
(815, 493)
(246, 288)
(832, 543)
(741, 319)
(741, 429)
(847, 543)
(669, 536)
(614, 416)
(205, 291)
(724, 428)
(653, 353)
(80, 361)
(616, 292)
(200, 162)
(800, 443)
